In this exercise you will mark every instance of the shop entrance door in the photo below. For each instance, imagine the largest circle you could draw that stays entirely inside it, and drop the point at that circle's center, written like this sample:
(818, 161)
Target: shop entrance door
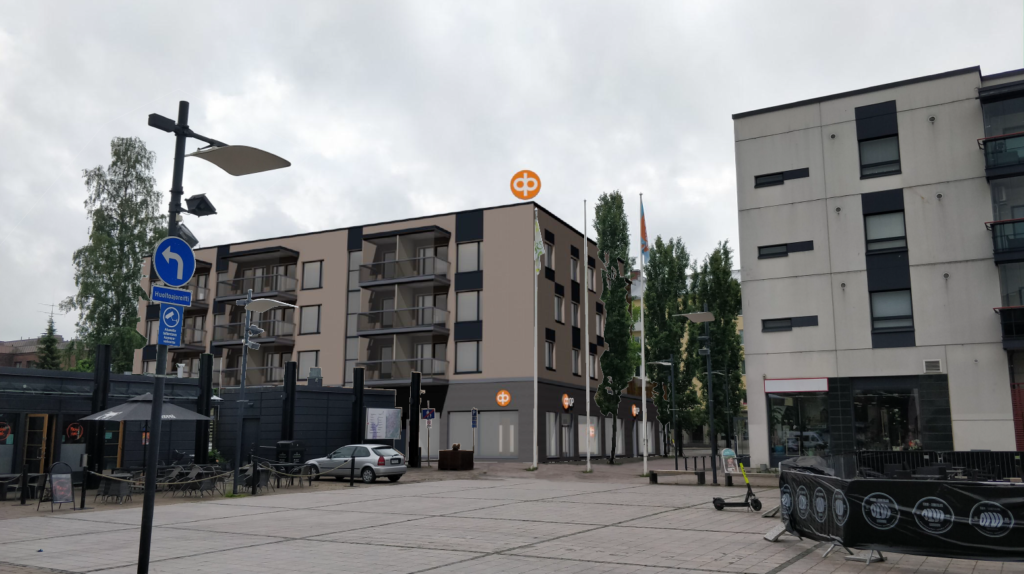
(36, 451)
(113, 444)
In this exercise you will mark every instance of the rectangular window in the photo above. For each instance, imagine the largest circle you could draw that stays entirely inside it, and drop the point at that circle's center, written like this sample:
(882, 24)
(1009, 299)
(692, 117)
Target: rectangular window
(312, 274)
(574, 270)
(467, 306)
(467, 357)
(885, 231)
(590, 278)
(559, 309)
(353, 302)
(592, 431)
(576, 362)
(768, 180)
(593, 366)
(551, 428)
(309, 320)
(600, 325)
(880, 156)
(768, 251)
(575, 315)
(307, 359)
(549, 355)
(892, 311)
(469, 257)
(153, 328)
(549, 256)
(776, 325)
(355, 258)
(148, 367)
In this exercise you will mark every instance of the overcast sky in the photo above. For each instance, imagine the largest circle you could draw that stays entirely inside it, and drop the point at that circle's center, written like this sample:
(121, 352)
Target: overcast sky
(390, 110)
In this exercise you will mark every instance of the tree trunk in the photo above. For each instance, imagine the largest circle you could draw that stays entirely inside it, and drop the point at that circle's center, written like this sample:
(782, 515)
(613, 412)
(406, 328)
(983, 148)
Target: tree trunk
(615, 428)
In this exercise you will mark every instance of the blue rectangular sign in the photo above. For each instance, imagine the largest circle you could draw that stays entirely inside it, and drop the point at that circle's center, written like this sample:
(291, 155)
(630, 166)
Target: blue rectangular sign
(162, 294)
(428, 414)
(171, 318)
(474, 417)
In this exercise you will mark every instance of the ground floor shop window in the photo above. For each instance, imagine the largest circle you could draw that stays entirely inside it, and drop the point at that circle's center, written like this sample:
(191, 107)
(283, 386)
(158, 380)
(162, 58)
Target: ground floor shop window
(498, 434)
(620, 443)
(8, 434)
(799, 424)
(887, 420)
(551, 432)
(593, 430)
(460, 430)
(565, 420)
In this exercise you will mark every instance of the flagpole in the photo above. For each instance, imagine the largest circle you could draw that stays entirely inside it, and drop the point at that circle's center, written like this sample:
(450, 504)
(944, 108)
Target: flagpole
(643, 340)
(586, 319)
(535, 273)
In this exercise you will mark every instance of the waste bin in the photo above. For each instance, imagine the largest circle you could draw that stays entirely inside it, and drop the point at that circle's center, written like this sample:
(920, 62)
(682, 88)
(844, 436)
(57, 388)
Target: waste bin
(290, 451)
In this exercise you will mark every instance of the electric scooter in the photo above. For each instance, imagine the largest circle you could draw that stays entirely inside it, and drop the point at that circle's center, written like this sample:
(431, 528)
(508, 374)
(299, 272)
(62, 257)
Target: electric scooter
(750, 502)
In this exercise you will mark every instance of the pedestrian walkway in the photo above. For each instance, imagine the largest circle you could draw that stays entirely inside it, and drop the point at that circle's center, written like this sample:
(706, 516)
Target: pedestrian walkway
(481, 525)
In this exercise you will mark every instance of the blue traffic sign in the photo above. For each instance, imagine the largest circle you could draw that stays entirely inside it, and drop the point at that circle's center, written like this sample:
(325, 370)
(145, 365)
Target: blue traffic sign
(162, 294)
(474, 417)
(170, 325)
(428, 414)
(174, 261)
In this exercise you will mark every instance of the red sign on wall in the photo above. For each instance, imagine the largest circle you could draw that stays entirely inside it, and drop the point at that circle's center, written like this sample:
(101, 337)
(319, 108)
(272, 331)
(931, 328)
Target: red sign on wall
(74, 431)
(5, 431)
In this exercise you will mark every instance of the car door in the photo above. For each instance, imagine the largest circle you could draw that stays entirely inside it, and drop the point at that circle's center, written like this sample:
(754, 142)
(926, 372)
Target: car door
(362, 458)
(338, 459)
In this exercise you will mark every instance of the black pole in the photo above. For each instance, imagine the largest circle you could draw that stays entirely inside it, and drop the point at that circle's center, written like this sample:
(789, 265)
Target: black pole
(288, 416)
(24, 484)
(728, 411)
(711, 403)
(413, 456)
(676, 437)
(203, 408)
(241, 402)
(357, 406)
(149, 498)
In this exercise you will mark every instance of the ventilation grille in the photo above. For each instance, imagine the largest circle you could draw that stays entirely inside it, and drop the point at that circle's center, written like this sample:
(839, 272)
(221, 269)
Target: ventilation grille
(934, 366)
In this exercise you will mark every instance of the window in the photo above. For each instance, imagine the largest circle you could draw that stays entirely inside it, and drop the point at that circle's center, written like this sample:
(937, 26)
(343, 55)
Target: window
(576, 362)
(153, 330)
(355, 258)
(768, 325)
(593, 431)
(880, 156)
(467, 306)
(549, 256)
(769, 251)
(575, 314)
(309, 320)
(590, 278)
(549, 355)
(559, 309)
(892, 311)
(148, 367)
(768, 180)
(469, 257)
(574, 270)
(311, 274)
(593, 366)
(600, 325)
(307, 359)
(467, 357)
(885, 231)
(551, 426)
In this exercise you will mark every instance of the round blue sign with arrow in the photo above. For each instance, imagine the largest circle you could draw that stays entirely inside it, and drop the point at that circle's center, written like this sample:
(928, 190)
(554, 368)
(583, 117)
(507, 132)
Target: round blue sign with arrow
(174, 261)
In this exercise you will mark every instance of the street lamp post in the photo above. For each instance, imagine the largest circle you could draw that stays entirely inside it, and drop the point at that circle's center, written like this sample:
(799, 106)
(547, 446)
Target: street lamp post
(671, 364)
(706, 317)
(251, 330)
(236, 160)
(728, 409)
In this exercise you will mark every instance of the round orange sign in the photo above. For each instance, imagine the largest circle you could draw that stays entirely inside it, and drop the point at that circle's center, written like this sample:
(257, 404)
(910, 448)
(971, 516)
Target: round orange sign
(503, 398)
(636, 411)
(525, 184)
(566, 402)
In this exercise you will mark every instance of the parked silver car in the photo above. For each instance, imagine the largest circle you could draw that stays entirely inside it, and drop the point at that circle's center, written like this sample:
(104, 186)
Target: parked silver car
(371, 461)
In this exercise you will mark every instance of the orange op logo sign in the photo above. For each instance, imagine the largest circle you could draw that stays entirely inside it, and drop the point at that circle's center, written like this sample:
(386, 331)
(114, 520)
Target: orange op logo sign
(75, 431)
(525, 184)
(636, 410)
(503, 398)
(567, 402)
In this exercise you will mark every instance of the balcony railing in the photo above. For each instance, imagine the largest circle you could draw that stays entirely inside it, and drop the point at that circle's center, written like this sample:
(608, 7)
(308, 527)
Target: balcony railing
(234, 331)
(1003, 151)
(402, 318)
(403, 269)
(1007, 236)
(258, 283)
(192, 336)
(402, 369)
(253, 376)
(199, 294)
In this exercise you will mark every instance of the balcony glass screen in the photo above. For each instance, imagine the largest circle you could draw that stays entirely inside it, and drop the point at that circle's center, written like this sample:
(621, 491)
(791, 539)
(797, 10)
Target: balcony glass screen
(1003, 117)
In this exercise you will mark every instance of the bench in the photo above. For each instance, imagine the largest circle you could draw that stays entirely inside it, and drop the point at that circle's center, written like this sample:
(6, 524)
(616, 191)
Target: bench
(700, 474)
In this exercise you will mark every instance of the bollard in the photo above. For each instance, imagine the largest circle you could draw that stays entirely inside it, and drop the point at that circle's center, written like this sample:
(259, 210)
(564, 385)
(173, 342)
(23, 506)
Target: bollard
(24, 484)
(352, 472)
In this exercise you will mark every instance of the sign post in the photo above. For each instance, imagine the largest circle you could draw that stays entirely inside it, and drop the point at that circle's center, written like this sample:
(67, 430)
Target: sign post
(170, 325)
(475, 414)
(428, 415)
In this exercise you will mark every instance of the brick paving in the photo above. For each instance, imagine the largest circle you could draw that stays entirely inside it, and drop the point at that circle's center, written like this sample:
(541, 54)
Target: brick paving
(516, 525)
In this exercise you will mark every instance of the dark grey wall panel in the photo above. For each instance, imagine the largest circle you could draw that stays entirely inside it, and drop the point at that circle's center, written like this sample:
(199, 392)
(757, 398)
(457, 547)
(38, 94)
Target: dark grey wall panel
(576, 338)
(469, 226)
(806, 321)
(469, 331)
(800, 246)
(549, 335)
(876, 120)
(888, 271)
(890, 340)
(882, 201)
(469, 281)
(796, 173)
(355, 238)
(575, 292)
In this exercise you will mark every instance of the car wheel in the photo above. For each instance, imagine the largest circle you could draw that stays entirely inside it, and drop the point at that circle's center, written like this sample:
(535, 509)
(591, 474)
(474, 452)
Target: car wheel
(369, 476)
(394, 478)
(315, 473)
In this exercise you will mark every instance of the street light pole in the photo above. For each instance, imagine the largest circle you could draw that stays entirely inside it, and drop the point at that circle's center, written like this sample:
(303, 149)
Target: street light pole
(241, 397)
(711, 401)
(676, 435)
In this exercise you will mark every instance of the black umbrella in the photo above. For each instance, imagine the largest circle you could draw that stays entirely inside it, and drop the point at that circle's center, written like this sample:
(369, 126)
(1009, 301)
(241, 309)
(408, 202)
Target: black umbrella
(139, 408)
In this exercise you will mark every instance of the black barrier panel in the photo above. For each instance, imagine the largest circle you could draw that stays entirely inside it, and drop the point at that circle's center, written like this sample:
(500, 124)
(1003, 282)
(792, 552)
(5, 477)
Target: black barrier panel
(950, 519)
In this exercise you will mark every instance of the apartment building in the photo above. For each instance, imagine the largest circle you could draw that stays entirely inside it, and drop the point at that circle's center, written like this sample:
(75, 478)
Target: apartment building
(882, 255)
(449, 296)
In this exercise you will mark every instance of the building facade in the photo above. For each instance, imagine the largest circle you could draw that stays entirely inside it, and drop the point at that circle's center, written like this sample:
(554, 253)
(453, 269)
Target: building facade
(449, 296)
(882, 269)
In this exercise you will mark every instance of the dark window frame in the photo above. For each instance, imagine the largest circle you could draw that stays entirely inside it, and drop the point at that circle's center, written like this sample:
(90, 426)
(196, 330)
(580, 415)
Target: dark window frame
(899, 158)
(319, 317)
(762, 255)
(553, 365)
(456, 366)
(871, 310)
(777, 178)
(479, 257)
(559, 309)
(298, 362)
(479, 295)
(868, 242)
(320, 275)
(777, 329)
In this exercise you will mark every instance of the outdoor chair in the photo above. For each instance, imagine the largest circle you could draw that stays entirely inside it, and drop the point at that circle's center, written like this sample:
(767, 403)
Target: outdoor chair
(183, 482)
(263, 482)
(171, 475)
(104, 489)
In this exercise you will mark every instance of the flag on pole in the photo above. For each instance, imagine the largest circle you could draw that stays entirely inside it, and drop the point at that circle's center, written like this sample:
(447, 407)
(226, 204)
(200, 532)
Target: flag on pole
(645, 248)
(538, 245)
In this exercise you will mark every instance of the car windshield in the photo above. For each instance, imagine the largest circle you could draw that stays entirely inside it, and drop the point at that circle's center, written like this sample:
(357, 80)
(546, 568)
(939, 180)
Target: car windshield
(387, 451)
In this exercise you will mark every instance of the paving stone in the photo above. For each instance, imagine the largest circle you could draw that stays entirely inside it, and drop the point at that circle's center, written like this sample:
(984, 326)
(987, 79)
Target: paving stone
(565, 513)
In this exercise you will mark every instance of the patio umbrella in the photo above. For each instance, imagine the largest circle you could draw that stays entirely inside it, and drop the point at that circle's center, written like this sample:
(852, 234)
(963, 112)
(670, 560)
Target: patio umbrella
(139, 409)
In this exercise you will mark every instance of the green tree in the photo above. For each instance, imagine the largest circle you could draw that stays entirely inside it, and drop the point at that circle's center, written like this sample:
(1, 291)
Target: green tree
(123, 208)
(49, 354)
(666, 295)
(713, 283)
(622, 355)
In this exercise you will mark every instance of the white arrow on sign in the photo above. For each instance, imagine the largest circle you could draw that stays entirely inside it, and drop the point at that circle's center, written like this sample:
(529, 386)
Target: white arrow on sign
(168, 255)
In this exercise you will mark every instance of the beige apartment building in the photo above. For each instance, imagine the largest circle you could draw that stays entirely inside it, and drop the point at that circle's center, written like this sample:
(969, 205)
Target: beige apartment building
(449, 296)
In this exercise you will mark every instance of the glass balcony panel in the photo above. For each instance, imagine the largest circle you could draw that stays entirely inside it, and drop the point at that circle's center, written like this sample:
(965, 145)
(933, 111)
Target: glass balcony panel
(402, 369)
(402, 318)
(1011, 284)
(403, 269)
(1003, 151)
(253, 376)
(1008, 236)
(259, 284)
(192, 336)
(234, 331)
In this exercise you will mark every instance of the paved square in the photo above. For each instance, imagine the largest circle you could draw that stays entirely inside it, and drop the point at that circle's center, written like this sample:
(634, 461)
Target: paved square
(460, 526)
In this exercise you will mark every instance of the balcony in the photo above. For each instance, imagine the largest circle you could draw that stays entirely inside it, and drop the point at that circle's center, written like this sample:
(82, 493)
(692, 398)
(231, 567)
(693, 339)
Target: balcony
(413, 320)
(275, 332)
(1007, 240)
(254, 376)
(192, 340)
(1011, 320)
(200, 295)
(280, 286)
(404, 271)
(1004, 155)
(401, 370)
